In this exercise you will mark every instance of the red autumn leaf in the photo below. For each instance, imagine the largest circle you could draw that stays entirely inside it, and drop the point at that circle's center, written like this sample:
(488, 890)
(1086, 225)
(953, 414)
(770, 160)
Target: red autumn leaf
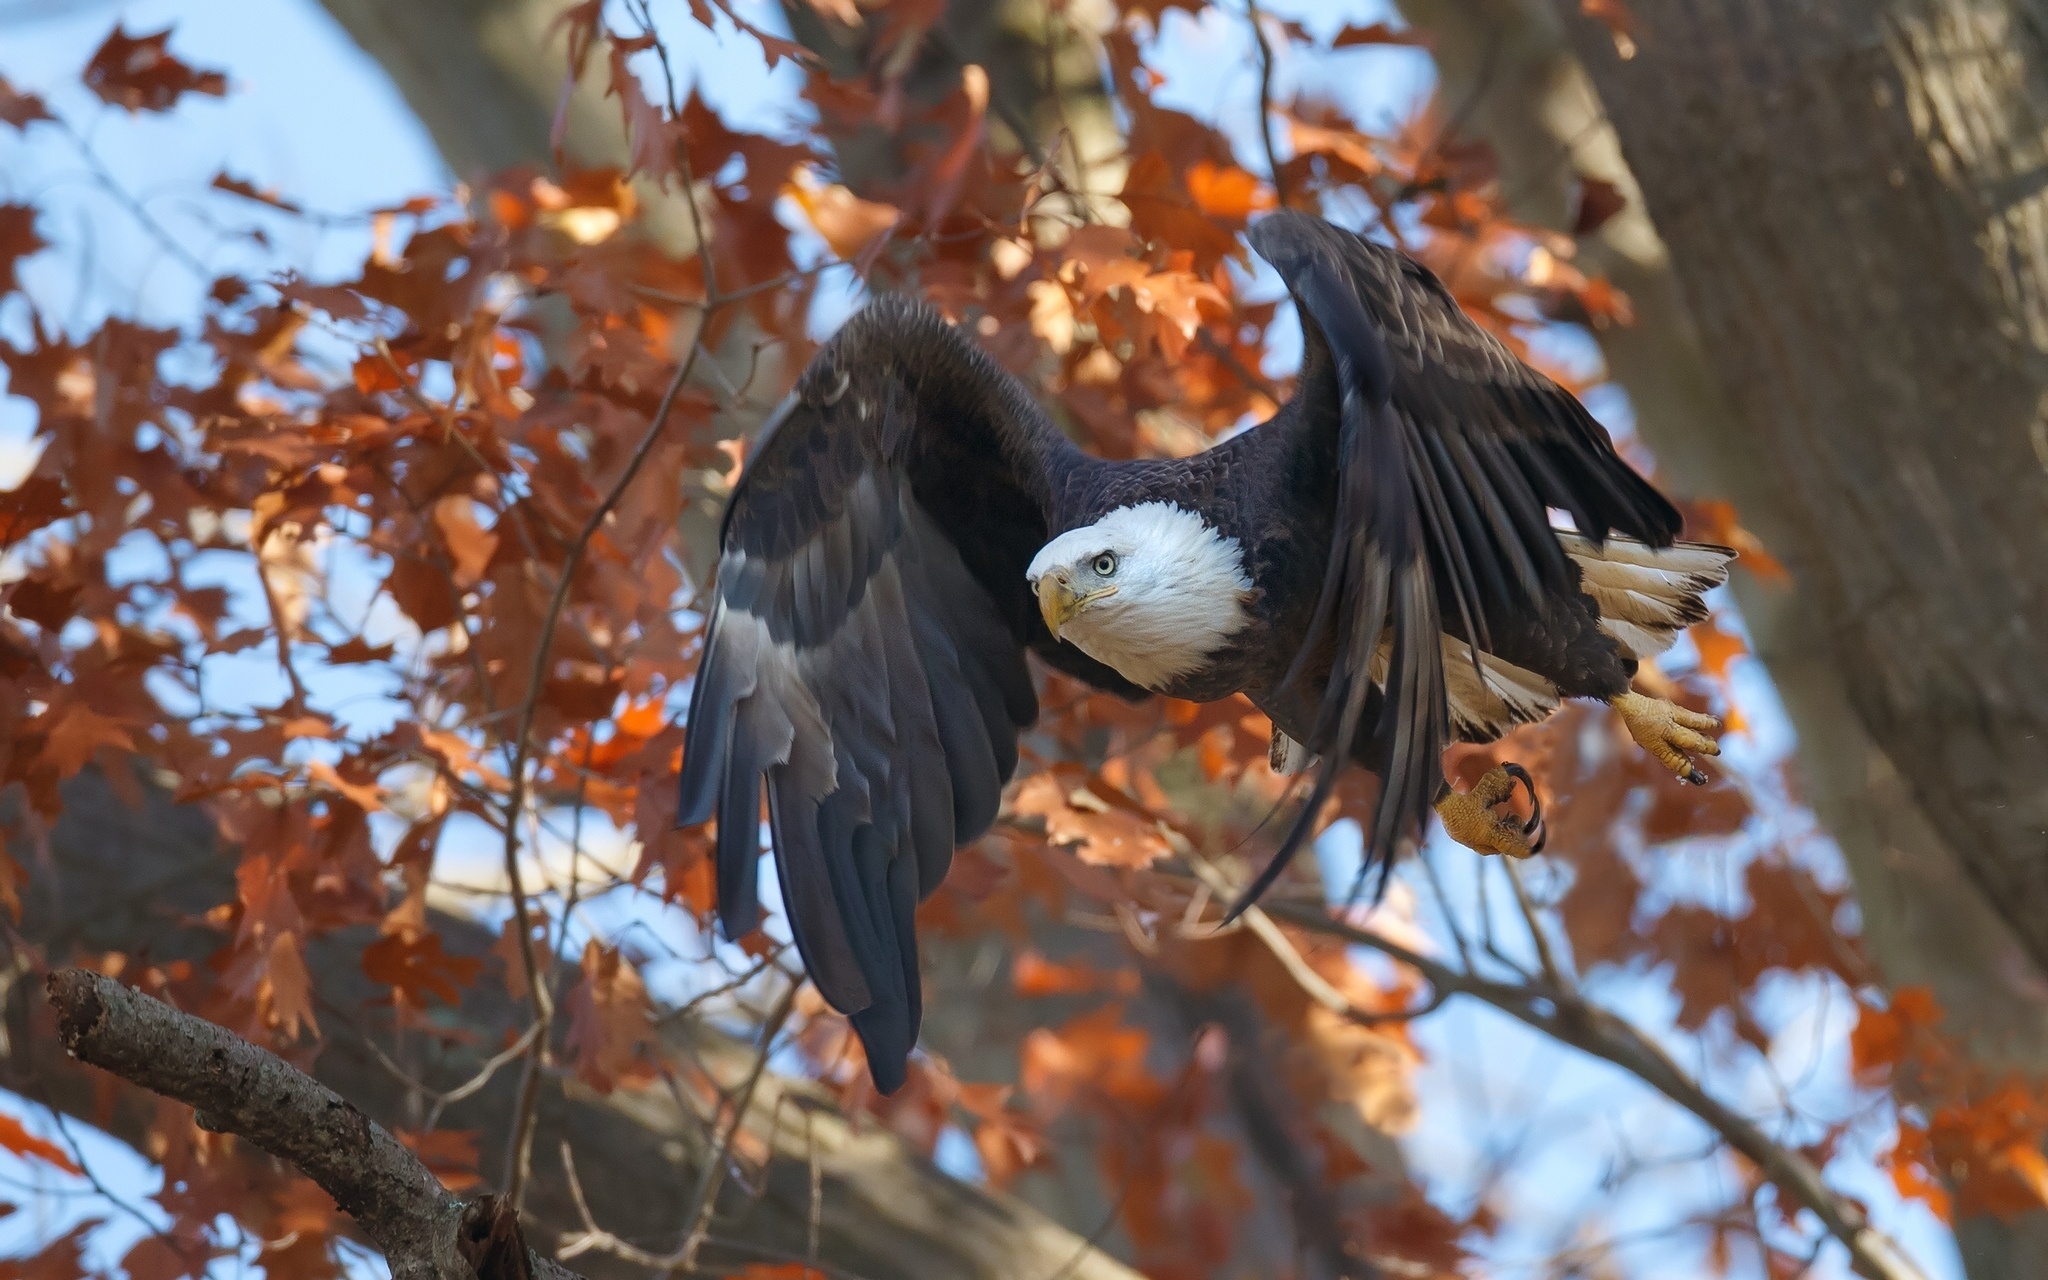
(30, 506)
(417, 969)
(1883, 1037)
(139, 73)
(23, 1143)
(1713, 520)
(1094, 1053)
(164, 1256)
(365, 795)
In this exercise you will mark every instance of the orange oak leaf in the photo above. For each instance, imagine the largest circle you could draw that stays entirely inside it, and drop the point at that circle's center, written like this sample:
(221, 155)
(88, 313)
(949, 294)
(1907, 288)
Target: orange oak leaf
(849, 224)
(416, 968)
(1227, 191)
(609, 1020)
(76, 732)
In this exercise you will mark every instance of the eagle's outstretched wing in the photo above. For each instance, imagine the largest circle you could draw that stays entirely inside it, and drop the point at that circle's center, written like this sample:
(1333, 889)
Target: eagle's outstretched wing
(865, 650)
(1450, 448)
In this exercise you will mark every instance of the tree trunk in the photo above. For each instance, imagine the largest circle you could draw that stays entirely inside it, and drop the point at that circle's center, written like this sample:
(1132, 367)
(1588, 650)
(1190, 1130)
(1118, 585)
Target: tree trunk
(1845, 195)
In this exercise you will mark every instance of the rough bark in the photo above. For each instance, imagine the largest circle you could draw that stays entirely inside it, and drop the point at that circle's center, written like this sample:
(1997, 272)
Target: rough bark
(1512, 78)
(1856, 250)
(234, 1087)
(138, 882)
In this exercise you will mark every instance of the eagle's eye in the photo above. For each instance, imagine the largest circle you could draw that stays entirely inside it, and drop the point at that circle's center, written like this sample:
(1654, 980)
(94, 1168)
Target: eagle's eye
(1105, 565)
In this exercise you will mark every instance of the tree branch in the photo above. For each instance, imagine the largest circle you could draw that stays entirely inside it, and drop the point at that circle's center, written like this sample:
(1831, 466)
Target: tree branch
(1565, 1016)
(232, 1086)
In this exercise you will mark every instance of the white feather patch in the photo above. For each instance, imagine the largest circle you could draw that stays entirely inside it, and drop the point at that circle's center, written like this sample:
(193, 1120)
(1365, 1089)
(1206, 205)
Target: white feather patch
(1647, 595)
(1510, 695)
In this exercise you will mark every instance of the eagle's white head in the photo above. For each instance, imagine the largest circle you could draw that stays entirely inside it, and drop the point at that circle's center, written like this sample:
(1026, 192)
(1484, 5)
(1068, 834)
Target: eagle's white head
(1150, 590)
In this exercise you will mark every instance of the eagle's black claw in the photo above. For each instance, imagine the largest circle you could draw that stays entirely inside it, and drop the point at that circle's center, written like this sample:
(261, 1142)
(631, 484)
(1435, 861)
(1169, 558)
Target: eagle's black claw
(1534, 829)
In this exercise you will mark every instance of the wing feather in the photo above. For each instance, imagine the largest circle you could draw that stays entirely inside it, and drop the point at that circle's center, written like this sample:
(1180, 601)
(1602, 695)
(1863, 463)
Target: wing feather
(864, 654)
(1450, 451)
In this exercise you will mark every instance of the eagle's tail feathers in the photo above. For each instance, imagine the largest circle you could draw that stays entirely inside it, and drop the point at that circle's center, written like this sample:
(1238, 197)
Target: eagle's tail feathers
(1647, 595)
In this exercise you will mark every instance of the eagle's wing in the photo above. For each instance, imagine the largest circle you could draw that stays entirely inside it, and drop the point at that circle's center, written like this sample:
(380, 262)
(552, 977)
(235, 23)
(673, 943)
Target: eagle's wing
(865, 650)
(1450, 448)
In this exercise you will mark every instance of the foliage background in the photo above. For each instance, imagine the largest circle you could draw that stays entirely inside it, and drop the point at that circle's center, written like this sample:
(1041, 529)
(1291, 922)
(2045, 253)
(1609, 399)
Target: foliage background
(324, 527)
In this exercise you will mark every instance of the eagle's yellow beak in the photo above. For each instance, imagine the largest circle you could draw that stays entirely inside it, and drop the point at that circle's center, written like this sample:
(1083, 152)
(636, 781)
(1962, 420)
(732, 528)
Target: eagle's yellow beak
(1058, 603)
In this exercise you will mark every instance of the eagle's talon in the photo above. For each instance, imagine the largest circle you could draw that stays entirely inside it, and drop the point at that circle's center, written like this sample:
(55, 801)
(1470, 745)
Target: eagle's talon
(1471, 820)
(1670, 733)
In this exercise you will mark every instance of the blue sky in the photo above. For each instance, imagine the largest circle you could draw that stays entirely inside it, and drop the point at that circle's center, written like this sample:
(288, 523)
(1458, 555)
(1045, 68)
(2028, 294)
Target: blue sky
(310, 116)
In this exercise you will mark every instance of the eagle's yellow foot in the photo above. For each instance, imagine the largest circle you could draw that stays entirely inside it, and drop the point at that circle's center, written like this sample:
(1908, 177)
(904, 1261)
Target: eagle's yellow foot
(1471, 820)
(1670, 733)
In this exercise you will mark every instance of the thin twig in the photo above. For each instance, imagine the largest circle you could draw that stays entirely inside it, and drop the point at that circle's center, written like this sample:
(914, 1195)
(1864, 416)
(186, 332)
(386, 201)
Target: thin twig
(705, 1201)
(1567, 1017)
(1251, 8)
(515, 802)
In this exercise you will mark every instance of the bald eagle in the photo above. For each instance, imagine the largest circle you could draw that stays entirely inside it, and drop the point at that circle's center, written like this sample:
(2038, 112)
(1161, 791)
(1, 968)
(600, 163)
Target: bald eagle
(1375, 567)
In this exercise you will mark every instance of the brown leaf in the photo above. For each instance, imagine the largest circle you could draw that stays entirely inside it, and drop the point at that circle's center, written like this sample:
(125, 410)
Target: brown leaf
(470, 545)
(1094, 1053)
(1098, 831)
(140, 74)
(421, 588)
(651, 136)
(285, 999)
(609, 1020)
(30, 506)
(1379, 33)
(20, 109)
(416, 968)
(1035, 977)
(18, 239)
(248, 191)
(77, 733)
(1596, 201)
(356, 649)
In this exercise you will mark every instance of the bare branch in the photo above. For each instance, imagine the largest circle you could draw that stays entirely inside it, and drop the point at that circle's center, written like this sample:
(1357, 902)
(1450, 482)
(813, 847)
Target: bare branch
(232, 1086)
(1564, 1015)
